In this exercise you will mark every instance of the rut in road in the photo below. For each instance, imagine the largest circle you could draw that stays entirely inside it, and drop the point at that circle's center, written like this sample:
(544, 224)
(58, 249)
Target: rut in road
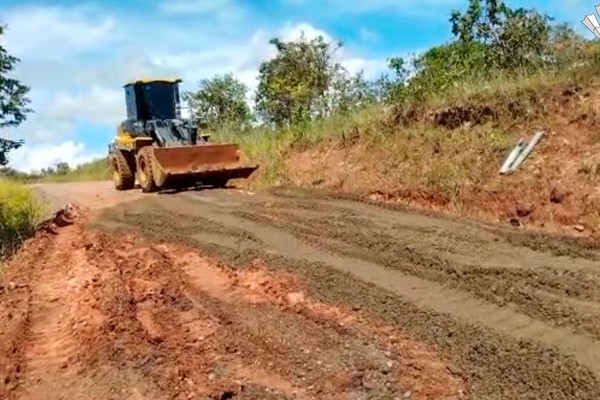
(91, 315)
(50, 344)
(517, 313)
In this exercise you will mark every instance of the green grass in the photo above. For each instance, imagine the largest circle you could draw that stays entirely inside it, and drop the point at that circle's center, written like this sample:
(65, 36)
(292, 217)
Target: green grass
(269, 147)
(96, 170)
(20, 212)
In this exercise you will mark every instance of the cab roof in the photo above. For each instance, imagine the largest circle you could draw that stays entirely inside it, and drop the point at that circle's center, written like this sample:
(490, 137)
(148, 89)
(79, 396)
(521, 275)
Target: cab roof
(153, 80)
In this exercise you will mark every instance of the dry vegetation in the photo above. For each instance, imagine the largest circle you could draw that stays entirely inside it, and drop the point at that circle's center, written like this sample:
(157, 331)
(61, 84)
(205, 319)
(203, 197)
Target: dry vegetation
(445, 154)
(20, 212)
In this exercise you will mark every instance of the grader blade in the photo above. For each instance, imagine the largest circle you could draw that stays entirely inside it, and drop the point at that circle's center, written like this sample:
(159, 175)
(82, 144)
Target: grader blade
(190, 165)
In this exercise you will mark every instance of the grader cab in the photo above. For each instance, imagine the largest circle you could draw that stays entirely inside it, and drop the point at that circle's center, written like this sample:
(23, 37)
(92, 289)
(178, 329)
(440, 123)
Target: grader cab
(164, 150)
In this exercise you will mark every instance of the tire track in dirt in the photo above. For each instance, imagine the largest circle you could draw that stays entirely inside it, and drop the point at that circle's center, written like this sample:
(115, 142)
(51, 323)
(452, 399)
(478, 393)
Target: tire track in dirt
(291, 351)
(491, 246)
(115, 317)
(504, 350)
(422, 292)
(50, 343)
(550, 292)
(60, 323)
(331, 329)
(414, 219)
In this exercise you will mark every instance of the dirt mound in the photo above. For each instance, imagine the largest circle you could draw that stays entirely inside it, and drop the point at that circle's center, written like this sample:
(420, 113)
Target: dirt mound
(88, 315)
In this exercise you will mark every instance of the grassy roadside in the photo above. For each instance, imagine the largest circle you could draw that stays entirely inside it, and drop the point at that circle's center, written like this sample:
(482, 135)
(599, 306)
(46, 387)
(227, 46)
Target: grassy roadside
(20, 212)
(95, 170)
(498, 108)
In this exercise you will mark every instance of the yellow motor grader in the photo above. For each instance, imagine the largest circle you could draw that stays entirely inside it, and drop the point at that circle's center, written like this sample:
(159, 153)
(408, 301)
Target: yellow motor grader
(164, 150)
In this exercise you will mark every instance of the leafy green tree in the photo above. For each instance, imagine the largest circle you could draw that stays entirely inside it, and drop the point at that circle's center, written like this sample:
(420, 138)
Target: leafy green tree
(48, 171)
(480, 21)
(13, 101)
(348, 93)
(293, 85)
(393, 89)
(62, 168)
(489, 38)
(514, 38)
(441, 66)
(220, 102)
(6, 145)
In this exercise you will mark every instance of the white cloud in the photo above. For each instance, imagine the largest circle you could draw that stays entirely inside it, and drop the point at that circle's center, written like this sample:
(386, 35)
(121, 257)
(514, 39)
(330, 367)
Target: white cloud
(54, 32)
(97, 105)
(370, 67)
(57, 114)
(291, 32)
(410, 8)
(76, 61)
(243, 59)
(350, 61)
(33, 158)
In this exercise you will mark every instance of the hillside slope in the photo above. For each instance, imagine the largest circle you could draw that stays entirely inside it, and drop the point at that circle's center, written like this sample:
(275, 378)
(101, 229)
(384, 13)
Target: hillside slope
(445, 156)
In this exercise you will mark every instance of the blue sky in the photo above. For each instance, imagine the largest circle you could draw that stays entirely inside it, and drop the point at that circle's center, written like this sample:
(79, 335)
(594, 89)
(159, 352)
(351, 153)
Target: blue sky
(77, 55)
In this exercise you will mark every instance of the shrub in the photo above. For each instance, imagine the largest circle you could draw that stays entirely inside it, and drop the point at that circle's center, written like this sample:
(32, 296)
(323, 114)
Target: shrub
(20, 212)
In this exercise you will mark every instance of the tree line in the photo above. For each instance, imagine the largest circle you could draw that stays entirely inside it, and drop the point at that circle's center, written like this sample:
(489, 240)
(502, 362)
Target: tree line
(303, 82)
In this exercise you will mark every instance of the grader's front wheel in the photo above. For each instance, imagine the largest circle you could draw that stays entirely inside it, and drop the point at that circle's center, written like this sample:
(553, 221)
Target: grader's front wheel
(144, 170)
(121, 171)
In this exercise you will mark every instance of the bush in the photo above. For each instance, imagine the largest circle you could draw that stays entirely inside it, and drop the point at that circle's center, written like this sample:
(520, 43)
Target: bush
(20, 212)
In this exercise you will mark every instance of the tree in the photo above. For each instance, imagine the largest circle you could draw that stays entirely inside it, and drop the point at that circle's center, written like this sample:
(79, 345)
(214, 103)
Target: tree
(514, 38)
(13, 101)
(489, 38)
(440, 67)
(6, 145)
(47, 171)
(348, 93)
(62, 168)
(393, 89)
(292, 85)
(219, 102)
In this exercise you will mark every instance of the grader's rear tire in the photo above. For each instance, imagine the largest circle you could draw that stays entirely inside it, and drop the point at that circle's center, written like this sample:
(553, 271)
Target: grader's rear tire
(122, 171)
(144, 169)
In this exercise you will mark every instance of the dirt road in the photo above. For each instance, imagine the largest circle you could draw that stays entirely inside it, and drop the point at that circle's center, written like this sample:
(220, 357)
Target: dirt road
(233, 294)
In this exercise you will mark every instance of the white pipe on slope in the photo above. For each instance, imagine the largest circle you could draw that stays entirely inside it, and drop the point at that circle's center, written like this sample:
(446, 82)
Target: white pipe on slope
(512, 156)
(532, 143)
